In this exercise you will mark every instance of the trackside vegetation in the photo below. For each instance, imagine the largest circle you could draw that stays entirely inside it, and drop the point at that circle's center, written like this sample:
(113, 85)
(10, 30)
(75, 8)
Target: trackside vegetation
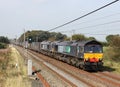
(112, 53)
(3, 42)
(13, 71)
(4, 60)
(114, 46)
(39, 36)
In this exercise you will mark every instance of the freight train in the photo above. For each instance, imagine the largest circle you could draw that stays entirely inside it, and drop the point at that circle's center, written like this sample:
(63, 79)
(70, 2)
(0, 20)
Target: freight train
(87, 55)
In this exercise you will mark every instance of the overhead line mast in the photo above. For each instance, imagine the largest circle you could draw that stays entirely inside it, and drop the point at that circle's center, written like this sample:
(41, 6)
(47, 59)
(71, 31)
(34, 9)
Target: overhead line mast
(83, 15)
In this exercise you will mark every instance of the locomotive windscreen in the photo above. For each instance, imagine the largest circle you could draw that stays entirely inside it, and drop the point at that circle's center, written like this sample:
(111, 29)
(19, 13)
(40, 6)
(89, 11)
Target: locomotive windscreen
(93, 49)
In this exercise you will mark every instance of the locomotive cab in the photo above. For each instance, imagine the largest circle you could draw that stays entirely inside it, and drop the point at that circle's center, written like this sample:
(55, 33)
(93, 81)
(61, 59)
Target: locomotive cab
(93, 54)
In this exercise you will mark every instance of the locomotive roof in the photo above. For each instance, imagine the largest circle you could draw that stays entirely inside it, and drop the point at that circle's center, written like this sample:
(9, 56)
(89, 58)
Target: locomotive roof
(72, 43)
(64, 43)
(83, 43)
(46, 42)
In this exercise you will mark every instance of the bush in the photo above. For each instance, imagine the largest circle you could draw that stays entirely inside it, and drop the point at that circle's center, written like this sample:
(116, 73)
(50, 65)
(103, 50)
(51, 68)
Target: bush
(4, 40)
(105, 44)
(115, 42)
(3, 45)
(114, 47)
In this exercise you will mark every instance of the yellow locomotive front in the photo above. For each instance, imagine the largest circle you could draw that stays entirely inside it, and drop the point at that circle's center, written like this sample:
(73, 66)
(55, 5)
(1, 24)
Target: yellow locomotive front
(93, 55)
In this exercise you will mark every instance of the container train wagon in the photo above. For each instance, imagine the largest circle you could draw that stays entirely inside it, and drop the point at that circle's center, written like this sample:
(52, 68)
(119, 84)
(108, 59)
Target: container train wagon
(87, 55)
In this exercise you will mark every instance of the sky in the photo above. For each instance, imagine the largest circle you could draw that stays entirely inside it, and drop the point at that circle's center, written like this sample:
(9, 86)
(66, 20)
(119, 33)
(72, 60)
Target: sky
(17, 15)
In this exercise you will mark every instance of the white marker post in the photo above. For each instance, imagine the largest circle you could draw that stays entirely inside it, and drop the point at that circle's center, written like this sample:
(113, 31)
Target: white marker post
(29, 67)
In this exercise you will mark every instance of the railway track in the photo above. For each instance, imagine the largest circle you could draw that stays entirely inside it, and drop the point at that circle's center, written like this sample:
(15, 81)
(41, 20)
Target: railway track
(89, 79)
(45, 83)
(109, 76)
(66, 68)
(75, 78)
(61, 77)
(70, 84)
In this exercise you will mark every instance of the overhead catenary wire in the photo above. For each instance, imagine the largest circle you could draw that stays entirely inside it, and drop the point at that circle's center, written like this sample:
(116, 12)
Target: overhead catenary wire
(93, 20)
(84, 15)
(111, 22)
(98, 34)
(97, 19)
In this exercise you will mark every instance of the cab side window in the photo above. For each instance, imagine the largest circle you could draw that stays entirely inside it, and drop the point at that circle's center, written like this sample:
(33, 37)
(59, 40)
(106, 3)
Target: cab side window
(80, 49)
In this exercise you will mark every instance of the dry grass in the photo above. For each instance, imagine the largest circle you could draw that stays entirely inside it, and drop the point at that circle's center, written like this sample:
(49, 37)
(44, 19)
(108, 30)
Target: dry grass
(16, 75)
(4, 59)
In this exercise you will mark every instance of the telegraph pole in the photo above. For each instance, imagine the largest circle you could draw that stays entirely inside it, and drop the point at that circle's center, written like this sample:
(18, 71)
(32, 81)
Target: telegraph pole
(72, 33)
(16, 39)
(24, 38)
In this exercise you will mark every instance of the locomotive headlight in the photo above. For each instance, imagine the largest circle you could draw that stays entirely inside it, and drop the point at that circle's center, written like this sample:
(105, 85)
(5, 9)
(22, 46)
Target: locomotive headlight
(87, 59)
(100, 59)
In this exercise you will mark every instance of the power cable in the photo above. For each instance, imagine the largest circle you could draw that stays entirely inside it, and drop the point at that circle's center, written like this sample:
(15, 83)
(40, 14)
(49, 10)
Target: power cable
(97, 19)
(83, 15)
(101, 24)
(99, 33)
(94, 34)
(117, 21)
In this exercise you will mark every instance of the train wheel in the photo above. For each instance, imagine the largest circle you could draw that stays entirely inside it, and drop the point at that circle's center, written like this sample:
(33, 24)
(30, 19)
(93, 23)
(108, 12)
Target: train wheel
(94, 68)
(81, 66)
(68, 61)
(73, 62)
(100, 68)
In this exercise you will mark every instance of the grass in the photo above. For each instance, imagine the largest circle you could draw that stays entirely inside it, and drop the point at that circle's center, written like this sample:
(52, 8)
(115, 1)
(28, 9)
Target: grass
(109, 63)
(4, 59)
(15, 76)
(3, 45)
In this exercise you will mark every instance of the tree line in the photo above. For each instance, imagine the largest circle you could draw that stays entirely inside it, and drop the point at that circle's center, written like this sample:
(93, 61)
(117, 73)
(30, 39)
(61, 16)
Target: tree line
(3, 42)
(113, 51)
(38, 36)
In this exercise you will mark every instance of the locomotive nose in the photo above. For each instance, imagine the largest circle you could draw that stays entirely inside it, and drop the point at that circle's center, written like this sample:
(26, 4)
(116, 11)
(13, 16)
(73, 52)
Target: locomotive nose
(93, 59)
